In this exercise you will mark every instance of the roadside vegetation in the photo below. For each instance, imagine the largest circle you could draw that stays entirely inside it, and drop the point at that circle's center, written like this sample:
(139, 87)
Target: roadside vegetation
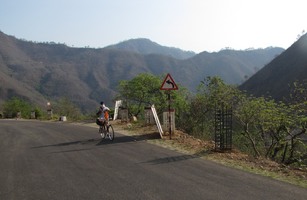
(268, 136)
(18, 107)
(262, 127)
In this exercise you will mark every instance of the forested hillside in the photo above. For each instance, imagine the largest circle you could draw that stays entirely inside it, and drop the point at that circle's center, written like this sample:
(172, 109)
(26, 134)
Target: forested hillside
(145, 46)
(276, 78)
(42, 72)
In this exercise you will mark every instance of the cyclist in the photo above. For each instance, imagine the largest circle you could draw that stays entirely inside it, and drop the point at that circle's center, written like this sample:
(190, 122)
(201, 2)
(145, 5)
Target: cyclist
(105, 129)
(103, 113)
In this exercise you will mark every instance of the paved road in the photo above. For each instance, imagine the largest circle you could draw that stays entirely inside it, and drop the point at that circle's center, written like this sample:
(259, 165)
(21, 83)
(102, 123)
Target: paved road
(53, 160)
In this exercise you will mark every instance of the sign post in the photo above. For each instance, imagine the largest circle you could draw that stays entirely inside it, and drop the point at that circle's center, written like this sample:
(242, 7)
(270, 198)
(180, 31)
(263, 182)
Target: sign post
(169, 84)
(154, 112)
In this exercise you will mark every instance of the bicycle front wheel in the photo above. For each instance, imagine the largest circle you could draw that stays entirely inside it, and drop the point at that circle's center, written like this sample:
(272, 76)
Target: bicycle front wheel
(110, 132)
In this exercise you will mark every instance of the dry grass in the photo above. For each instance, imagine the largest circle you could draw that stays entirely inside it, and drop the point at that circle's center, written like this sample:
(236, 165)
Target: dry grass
(187, 144)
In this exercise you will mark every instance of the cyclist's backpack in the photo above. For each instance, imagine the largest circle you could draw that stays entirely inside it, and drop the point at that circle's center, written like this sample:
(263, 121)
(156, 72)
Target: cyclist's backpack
(98, 122)
(106, 115)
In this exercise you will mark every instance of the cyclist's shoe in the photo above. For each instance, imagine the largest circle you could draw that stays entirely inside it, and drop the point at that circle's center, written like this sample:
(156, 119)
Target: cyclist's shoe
(102, 135)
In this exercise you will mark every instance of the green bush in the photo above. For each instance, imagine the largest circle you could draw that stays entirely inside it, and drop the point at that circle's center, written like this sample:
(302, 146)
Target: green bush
(12, 107)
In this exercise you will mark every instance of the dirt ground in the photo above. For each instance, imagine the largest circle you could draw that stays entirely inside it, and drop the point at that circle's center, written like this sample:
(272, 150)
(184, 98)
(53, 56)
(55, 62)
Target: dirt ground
(185, 143)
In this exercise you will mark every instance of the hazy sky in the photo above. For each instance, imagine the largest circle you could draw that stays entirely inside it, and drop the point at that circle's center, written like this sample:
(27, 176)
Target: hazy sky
(195, 25)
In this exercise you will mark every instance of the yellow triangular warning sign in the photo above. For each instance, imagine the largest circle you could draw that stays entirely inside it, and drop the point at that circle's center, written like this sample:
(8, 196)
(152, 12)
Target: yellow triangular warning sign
(168, 83)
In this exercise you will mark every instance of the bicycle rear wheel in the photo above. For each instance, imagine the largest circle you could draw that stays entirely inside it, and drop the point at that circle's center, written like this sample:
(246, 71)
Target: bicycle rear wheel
(102, 132)
(110, 132)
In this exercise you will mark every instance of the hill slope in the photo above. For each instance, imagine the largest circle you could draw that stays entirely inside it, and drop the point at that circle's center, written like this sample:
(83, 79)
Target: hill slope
(47, 71)
(274, 79)
(232, 66)
(145, 46)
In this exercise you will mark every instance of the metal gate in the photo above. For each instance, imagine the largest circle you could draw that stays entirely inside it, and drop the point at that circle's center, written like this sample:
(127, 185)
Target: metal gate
(223, 128)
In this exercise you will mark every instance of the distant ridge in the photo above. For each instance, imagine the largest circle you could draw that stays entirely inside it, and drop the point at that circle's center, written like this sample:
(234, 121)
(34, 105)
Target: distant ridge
(274, 79)
(145, 46)
(41, 72)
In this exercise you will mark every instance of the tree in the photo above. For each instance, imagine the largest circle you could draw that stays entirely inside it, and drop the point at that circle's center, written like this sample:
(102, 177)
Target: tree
(298, 106)
(263, 123)
(64, 107)
(141, 91)
(216, 90)
(271, 129)
(246, 113)
(15, 105)
(144, 90)
(212, 93)
(262, 126)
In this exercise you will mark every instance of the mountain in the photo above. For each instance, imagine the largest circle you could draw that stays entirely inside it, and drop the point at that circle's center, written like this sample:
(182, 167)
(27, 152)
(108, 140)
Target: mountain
(274, 79)
(42, 72)
(145, 46)
(233, 66)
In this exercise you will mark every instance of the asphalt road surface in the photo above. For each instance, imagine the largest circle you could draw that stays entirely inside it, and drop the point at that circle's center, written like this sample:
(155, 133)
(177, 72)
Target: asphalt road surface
(54, 160)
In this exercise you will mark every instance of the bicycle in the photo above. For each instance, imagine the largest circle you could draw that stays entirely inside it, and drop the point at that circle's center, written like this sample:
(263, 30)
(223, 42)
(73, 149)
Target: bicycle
(105, 130)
